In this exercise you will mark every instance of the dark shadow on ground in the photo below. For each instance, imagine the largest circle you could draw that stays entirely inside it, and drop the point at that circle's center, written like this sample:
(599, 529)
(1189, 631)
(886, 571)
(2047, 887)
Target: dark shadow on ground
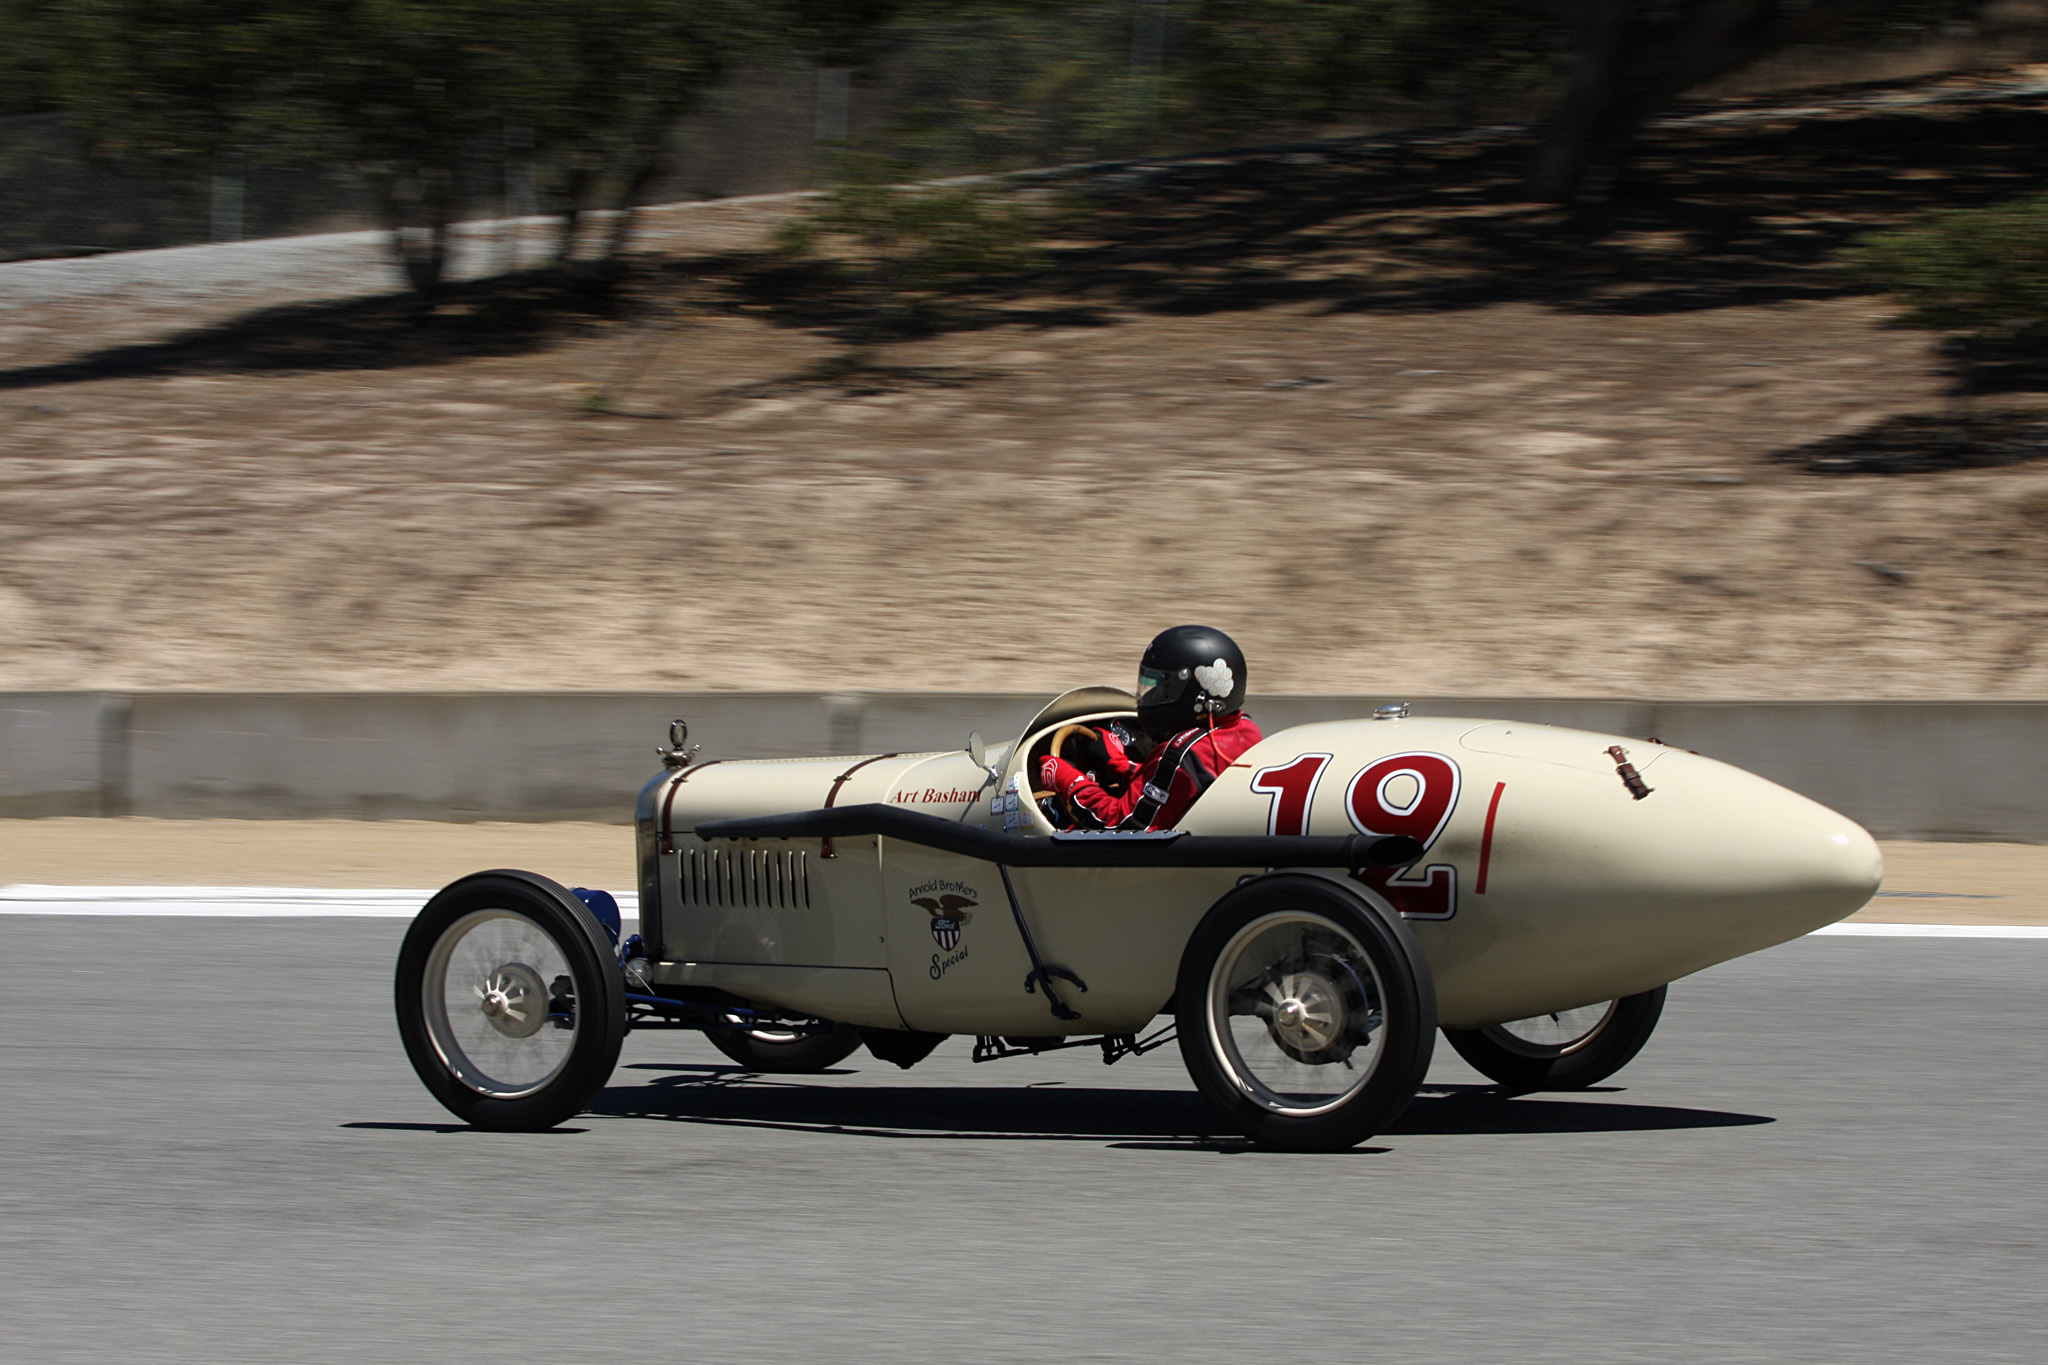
(1478, 1109)
(1981, 428)
(508, 315)
(853, 374)
(1925, 444)
(1173, 1118)
(1998, 364)
(446, 1128)
(1711, 215)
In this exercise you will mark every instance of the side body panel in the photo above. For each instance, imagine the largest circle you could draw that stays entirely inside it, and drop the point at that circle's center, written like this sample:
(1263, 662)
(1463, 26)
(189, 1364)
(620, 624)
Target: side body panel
(846, 995)
(1120, 930)
(781, 922)
(1546, 883)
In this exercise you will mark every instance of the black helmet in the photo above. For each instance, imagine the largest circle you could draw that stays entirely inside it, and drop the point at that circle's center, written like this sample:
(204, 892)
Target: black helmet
(1187, 673)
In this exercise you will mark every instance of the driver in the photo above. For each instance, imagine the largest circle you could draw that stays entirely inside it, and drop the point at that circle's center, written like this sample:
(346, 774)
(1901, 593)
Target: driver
(1191, 704)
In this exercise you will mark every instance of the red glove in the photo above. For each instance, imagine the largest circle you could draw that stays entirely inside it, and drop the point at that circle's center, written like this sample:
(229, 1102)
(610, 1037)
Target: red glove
(1058, 775)
(1119, 762)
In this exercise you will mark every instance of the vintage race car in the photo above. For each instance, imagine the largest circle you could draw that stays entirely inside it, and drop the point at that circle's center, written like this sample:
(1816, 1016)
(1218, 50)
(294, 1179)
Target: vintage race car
(1340, 893)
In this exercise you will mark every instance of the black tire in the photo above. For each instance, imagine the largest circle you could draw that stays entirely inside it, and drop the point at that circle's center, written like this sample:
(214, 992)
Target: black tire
(1520, 1057)
(789, 1054)
(504, 1063)
(1315, 973)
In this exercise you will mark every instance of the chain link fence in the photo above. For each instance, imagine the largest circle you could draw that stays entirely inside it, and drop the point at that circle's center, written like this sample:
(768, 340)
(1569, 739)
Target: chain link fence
(59, 198)
(763, 132)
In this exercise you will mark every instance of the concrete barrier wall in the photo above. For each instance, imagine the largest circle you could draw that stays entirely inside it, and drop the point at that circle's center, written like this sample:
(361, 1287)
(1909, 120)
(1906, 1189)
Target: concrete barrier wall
(504, 756)
(60, 752)
(1952, 770)
(1905, 770)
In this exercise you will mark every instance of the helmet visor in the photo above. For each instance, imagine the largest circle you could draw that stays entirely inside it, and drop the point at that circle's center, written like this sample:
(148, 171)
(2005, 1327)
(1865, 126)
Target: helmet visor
(1159, 687)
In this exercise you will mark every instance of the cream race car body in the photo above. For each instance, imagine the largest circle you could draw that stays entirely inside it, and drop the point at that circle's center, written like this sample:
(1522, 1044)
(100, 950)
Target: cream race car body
(1546, 883)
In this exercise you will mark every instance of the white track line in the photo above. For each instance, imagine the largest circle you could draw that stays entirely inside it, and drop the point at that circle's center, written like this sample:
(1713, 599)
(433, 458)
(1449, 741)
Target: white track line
(1864, 930)
(229, 902)
(300, 902)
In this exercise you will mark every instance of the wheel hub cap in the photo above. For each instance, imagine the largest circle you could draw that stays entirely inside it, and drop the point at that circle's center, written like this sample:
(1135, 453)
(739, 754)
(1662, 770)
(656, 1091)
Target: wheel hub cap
(1294, 1013)
(513, 999)
(1307, 1012)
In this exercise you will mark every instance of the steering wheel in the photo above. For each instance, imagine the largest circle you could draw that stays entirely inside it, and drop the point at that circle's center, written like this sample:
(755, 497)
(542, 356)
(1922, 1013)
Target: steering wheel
(1054, 750)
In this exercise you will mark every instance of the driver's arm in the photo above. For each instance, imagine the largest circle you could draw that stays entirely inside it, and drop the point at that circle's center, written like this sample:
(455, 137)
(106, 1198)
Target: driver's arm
(1085, 791)
(1171, 779)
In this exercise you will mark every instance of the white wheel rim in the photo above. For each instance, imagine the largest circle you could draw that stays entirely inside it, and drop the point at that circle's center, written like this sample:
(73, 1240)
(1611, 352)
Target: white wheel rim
(485, 999)
(1296, 1013)
(1553, 1035)
(771, 1037)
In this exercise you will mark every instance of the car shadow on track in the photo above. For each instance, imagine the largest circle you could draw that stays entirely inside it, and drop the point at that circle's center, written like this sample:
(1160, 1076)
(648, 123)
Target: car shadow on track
(1170, 1119)
(1462, 1109)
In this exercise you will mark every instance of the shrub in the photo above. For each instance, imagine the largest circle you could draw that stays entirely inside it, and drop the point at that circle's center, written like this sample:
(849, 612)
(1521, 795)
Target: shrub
(1964, 269)
(916, 238)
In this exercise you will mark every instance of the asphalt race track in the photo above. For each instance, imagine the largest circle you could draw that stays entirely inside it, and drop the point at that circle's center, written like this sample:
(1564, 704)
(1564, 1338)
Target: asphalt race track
(214, 1151)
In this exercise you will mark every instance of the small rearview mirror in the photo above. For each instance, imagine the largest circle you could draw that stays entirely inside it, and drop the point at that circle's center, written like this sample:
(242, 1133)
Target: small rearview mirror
(678, 733)
(977, 750)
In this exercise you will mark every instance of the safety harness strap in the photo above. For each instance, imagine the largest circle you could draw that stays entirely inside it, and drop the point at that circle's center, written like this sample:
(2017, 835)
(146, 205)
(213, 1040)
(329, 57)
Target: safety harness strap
(1159, 788)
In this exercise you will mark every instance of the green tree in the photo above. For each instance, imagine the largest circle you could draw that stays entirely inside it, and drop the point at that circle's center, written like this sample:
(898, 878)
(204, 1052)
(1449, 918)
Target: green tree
(175, 78)
(27, 82)
(1005, 83)
(411, 94)
(629, 70)
(1613, 64)
(1286, 61)
(417, 97)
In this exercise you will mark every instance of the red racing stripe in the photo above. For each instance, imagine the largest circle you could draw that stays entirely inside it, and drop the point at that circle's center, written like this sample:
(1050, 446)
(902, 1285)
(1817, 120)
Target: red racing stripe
(1486, 839)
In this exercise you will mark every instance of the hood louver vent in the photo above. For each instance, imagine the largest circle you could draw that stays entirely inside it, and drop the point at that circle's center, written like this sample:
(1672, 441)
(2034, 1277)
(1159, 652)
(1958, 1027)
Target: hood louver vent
(729, 878)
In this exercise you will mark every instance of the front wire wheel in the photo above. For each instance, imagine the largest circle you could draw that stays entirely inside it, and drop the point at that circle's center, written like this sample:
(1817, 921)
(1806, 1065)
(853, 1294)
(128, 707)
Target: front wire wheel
(510, 1001)
(1305, 1012)
(499, 1004)
(1568, 1050)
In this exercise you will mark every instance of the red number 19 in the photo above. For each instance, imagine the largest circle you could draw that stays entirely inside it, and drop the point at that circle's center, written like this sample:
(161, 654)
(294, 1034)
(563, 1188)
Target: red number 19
(1292, 786)
(1379, 803)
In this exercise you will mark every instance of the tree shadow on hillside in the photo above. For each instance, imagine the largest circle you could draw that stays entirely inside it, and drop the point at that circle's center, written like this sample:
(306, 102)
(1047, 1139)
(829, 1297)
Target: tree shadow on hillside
(504, 315)
(1924, 443)
(1968, 434)
(1711, 216)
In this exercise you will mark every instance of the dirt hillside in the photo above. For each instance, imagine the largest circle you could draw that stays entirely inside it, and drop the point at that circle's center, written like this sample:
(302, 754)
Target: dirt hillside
(1393, 428)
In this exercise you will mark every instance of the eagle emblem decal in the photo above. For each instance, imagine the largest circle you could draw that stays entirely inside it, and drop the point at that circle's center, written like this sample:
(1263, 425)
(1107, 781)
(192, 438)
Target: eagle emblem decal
(949, 912)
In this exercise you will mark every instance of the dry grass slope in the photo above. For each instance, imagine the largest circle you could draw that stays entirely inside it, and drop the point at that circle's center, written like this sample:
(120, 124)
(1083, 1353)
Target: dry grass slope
(1393, 428)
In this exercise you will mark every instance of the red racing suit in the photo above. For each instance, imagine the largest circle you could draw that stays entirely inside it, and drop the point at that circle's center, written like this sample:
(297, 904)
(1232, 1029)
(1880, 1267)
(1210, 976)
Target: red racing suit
(1166, 784)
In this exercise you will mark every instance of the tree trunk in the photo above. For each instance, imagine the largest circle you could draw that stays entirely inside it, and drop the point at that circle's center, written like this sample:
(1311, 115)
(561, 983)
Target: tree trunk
(1633, 57)
(622, 226)
(1593, 122)
(418, 224)
(574, 192)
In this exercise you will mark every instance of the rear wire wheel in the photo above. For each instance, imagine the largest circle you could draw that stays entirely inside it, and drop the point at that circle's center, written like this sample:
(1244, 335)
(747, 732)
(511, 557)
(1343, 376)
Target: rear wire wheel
(1568, 1050)
(784, 1051)
(510, 1001)
(1305, 1012)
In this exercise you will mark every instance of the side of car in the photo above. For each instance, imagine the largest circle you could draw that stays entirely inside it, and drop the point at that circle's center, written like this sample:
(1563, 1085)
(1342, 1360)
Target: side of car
(1336, 895)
